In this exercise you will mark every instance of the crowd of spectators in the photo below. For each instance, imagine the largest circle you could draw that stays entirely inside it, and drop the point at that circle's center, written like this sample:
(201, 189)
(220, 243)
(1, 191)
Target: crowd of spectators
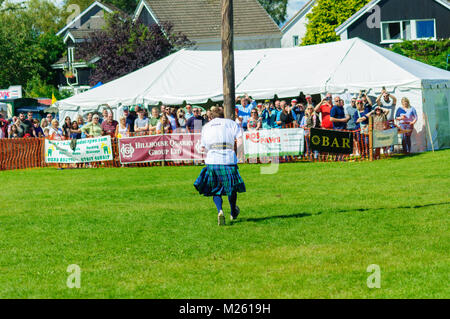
(329, 113)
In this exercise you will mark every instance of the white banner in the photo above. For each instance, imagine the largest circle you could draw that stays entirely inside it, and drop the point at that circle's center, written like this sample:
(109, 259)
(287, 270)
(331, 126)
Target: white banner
(385, 138)
(275, 142)
(87, 150)
(13, 92)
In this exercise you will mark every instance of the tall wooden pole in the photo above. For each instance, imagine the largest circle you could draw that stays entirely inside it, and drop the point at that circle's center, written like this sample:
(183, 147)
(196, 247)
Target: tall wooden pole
(228, 59)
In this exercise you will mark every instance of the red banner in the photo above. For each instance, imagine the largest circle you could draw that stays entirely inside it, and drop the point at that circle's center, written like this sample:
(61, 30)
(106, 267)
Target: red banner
(172, 147)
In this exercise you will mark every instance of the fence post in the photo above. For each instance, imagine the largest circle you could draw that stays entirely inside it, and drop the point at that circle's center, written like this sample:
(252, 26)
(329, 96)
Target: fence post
(371, 138)
(164, 160)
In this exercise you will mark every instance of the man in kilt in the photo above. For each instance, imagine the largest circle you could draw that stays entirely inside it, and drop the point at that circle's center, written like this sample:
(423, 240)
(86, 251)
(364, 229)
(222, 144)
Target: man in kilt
(221, 175)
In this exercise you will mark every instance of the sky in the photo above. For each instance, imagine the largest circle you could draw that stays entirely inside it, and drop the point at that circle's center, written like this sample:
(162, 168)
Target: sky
(293, 7)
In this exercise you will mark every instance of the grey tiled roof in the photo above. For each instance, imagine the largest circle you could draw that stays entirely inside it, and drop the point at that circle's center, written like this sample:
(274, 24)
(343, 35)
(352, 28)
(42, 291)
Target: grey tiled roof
(202, 18)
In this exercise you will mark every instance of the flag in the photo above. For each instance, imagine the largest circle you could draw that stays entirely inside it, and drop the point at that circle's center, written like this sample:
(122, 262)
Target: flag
(53, 99)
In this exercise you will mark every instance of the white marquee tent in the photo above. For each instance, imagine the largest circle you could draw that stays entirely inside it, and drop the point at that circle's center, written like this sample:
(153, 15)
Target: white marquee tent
(343, 67)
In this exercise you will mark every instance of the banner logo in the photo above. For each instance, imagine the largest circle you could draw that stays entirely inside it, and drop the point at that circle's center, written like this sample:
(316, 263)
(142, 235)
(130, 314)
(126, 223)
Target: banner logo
(127, 150)
(336, 142)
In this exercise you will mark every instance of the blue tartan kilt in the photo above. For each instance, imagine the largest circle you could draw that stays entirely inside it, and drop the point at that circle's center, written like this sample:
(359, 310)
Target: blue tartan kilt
(218, 180)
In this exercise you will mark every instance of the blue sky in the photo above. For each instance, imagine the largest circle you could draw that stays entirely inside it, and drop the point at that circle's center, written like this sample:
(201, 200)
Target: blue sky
(293, 7)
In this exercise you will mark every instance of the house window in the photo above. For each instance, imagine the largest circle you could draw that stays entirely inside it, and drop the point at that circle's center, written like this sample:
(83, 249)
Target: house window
(425, 29)
(397, 31)
(295, 40)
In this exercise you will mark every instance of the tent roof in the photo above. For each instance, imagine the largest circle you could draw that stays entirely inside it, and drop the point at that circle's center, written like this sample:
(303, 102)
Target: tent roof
(196, 76)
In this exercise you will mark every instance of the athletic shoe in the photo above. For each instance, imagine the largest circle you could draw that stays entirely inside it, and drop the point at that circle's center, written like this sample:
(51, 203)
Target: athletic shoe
(235, 216)
(221, 219)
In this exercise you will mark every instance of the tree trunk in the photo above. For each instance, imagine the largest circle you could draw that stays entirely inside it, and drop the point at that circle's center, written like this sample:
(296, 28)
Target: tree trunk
(228, 59)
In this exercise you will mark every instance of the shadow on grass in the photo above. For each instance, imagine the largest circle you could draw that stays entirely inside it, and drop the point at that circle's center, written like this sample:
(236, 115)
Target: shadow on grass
(403, 156)
(385, 208)
(301, 215)
(260, 219)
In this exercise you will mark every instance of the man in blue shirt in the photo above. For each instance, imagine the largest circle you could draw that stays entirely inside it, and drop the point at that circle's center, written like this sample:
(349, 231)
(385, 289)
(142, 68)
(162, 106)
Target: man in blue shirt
(338, 116)
(279, 106)
(298, 111)
(268, 116)
(245, 109)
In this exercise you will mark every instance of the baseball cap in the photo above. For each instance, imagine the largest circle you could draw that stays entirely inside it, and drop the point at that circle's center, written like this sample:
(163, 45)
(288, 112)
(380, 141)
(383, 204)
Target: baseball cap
(294, 100)
(308, 97)
(125, 108)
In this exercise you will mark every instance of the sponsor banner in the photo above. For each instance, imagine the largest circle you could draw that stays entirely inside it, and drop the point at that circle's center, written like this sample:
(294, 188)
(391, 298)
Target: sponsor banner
(385, 138)
(329, 141)
(87, 150)
(13, 92)
(275, 142)
(153, 148)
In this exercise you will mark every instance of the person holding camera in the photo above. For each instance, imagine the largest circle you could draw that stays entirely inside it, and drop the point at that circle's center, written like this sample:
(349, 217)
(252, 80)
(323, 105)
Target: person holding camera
(324, 108)
(284, 118)
(268, 115)
(387, 101)
(298, 111)
(367, 102)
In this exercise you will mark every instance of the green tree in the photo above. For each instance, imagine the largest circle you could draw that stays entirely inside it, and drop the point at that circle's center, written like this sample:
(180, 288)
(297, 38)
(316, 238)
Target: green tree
(326, 16)
(427, 51)
(276, 9)
(28, 45)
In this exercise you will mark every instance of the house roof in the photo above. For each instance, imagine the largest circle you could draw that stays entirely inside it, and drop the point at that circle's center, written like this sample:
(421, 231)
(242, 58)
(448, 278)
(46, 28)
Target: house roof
(201, 19)
(304, 10)
(368, 7)
(94, 23)
(80, 34)
(77, 59)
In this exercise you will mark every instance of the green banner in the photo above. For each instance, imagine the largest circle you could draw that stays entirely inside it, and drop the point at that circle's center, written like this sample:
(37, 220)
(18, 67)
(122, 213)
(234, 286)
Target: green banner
(385, 138)
(87, 150)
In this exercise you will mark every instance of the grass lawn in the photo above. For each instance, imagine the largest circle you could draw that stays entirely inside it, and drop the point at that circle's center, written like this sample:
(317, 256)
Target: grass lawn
(309, 231)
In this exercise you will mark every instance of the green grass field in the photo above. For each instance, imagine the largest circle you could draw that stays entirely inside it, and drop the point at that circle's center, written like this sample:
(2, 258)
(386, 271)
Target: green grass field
(309, 231)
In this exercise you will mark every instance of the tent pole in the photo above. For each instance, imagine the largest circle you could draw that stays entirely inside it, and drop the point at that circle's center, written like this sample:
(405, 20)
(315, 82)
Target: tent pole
(228, 59)
(427, 123)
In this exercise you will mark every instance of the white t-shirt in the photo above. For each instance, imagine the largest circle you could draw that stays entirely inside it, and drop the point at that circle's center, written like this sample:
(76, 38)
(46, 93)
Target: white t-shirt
(217, 132)
(390, 106)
